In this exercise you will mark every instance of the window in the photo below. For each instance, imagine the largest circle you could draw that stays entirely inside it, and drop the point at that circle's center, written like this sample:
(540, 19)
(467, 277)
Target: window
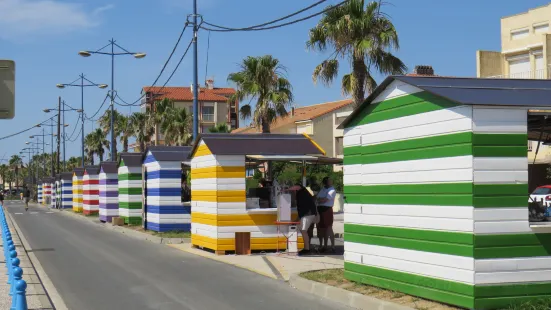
(541, 28)
(519, 67)
(208, 114)
(306, 128)
(338, 146)
(519, 33)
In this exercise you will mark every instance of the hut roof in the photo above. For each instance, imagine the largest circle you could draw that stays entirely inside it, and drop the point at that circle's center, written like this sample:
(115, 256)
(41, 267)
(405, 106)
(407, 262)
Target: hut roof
(472, 91)
(131, 159)
(109, 166)
(168, 153)
(91, 169)
(259, 144)
(78, 172)
(66, 176)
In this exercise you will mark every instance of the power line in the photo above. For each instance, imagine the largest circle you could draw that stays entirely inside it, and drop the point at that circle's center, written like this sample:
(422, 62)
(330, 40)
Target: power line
(76, 125)
(25, 130)
(267, 23)
(162, 70)
(104, 100)
(73, 140)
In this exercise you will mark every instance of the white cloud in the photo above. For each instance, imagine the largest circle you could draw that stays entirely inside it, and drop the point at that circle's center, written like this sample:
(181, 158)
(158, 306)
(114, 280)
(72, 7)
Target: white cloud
(23, 18)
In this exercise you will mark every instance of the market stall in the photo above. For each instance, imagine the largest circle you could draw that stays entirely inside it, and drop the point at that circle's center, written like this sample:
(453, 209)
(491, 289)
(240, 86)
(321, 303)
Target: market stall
(66, 199)
(90, 190)
(130, 188)
(39, 192)
(435, 178)
(108, 191)
(163, 208)
(221, 206)
(78, 174)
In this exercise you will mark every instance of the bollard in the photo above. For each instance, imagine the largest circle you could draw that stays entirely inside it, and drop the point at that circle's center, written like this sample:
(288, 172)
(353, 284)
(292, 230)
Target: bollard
(13, 254)
(17, 276)
(15, 263)
(21, 299)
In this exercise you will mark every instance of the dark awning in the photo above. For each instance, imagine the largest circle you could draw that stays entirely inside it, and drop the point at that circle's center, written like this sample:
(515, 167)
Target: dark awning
(109, 166)
(131, 159)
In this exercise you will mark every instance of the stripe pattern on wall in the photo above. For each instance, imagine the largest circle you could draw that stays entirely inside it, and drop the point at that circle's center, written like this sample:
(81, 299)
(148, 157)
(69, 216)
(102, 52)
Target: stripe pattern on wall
(437, 201)
(90, 192)
(219, 205)
(66, 193)
(165, 210)
(130, 194)
(47, 193)
(77, 193)
(39, 193)
(108, 192)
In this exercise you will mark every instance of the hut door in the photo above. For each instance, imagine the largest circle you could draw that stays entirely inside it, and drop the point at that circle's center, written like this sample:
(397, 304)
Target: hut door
(144, 197)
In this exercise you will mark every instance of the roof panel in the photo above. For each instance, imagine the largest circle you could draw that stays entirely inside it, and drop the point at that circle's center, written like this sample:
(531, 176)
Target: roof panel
(91, 169)
(131, 159)
(66, 176)
(169, 153)
(78, 171)
(109, 166)
(259, 144)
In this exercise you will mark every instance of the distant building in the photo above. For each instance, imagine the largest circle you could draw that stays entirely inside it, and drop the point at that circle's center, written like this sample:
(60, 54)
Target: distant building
(319, 121)
(525, 54)
(214, 106)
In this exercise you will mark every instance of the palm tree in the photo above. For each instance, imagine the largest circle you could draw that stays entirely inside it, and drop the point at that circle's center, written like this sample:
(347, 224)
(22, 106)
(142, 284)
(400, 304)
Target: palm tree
(262, 78)
(125, 130)
(141, 128)
(15, 163)
(176, 126)
(220, 128)
(4, 169)
(157, 115)
(73, 163)
(105, 122)
(362, 35)
(95, 143)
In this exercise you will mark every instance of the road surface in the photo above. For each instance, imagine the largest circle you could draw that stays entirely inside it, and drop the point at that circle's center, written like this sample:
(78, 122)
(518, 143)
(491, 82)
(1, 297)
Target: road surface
(94, 268)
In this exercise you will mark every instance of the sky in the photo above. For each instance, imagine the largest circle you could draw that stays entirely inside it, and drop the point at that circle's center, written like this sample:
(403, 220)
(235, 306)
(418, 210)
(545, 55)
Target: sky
(43, 37)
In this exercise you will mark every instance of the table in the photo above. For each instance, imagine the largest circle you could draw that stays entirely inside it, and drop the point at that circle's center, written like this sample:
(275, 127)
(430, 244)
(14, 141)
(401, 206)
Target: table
(284, 223)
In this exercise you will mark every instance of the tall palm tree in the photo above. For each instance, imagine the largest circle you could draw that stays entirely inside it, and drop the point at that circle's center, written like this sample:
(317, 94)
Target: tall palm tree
(262, 78)
(4, 169)
(157, 115)
(105, 122)
(125, 130)
(15, 163)
(95, 143)
(176, 126)
(141, 128)
(220, 128)
(362, 35)
(73, 163)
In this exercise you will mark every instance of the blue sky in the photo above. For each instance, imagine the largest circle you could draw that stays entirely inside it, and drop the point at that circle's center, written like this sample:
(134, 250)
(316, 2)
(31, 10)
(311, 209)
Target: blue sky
(44, 36)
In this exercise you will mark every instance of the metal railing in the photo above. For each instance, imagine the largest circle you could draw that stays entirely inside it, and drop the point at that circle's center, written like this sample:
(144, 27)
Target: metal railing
(18, 286)
(535, 74)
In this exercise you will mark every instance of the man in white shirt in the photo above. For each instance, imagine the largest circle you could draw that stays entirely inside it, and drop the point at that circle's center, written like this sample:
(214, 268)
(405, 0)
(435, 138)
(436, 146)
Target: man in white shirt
(325, 201)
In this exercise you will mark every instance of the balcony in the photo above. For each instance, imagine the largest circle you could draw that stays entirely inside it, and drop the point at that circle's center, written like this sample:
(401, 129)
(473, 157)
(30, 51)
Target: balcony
(536, 75)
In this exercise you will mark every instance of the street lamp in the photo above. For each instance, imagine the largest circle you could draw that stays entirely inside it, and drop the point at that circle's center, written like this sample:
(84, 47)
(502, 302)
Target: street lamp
(60, 109)
(81, 110)
(43, 135)
(136, 55)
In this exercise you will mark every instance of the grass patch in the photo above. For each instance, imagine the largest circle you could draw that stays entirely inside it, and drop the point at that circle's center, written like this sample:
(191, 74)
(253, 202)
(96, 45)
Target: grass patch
(536, 304)
(335, 277)
(168, 234)
(91, 215)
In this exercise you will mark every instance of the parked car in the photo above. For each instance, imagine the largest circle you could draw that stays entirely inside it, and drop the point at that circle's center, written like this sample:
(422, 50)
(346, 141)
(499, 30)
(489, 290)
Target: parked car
(541, 193)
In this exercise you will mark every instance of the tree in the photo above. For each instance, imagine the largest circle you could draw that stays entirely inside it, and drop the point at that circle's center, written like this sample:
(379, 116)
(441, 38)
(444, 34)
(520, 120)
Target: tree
(73, 163)
(220, 128)
(262, 78)
(95, 143)
(105, 123)
(157, 115)
(176, 126)
(15, 163)
(363, 36)
(141, 128)
(4, 169)
(125, 130)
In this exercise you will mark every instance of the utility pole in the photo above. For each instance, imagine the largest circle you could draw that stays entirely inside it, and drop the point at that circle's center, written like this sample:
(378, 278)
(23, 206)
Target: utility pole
(64, 137)
(195, 74)
(52, 146)
(112, 119)
(82, 116)
(58, 131)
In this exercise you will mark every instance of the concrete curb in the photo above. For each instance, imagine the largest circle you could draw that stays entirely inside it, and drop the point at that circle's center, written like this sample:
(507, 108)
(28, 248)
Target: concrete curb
(348, 298)
(55, 298)
(125, 231)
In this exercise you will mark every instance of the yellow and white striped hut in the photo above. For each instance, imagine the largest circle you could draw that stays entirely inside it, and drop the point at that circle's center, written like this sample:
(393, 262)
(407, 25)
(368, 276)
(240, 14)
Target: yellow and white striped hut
(218, 206)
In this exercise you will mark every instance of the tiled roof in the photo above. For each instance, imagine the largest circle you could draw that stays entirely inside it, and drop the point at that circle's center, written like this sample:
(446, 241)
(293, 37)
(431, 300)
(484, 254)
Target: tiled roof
(185, 93)
(301, 114)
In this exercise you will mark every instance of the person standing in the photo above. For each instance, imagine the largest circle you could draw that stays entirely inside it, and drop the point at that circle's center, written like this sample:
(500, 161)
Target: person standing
(26, 197)
(2, 198)
(325, 201)
(306, 209)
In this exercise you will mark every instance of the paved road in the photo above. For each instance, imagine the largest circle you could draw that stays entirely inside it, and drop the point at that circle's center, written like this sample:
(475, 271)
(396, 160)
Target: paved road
(94, 268)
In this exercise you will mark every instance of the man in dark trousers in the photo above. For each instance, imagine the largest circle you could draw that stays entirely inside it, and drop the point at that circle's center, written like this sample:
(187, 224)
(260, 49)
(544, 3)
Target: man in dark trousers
(26, 197)
(306, 208)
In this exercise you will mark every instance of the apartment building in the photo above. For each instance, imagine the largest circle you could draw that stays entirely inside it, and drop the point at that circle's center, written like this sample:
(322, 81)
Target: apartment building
(319, 121)
(214, 106)
(525, 54)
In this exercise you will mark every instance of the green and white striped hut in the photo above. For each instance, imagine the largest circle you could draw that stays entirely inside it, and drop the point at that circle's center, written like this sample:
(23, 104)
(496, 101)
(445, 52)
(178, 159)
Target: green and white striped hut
(130, 188)
(435, 179)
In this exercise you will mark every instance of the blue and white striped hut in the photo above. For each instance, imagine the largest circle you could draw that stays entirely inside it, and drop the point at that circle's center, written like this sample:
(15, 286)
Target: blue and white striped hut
(39, 191)
(108, 191)
(163, 208)
(66, 181)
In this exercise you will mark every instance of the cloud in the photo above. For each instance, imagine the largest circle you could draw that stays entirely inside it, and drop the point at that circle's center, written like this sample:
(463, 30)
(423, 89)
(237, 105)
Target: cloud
(23, 18)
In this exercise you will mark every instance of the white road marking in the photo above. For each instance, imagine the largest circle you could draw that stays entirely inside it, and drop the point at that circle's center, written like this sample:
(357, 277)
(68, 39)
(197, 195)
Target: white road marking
(18, 213)
(34, 212)
(49, 212)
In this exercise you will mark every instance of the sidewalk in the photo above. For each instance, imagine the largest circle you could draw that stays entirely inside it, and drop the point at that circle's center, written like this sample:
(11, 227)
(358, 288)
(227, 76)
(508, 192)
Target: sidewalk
(37, 297)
